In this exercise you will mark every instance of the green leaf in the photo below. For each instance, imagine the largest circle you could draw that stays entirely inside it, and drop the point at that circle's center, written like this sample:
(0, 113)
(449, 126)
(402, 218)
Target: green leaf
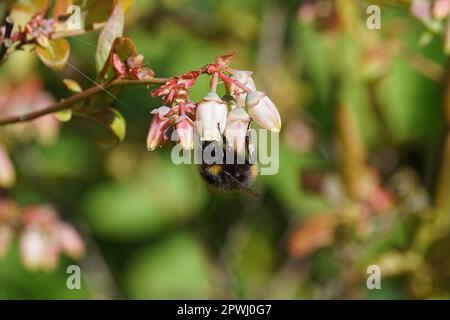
(72, 85)
(55, 55)
(126, 4)
(64, 115)
(32, 6)
(111, 119)
(112, 30)
(98, 11)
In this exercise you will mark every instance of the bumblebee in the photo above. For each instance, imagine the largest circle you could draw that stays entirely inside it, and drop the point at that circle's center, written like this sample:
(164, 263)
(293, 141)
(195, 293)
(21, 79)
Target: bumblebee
(228, 176)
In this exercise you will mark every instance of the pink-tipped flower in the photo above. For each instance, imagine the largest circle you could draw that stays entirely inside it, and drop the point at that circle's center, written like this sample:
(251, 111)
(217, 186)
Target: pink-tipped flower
(236, 129)
(156, 134)
(263, 111)
(32, 246)
(244, 77)
(34, 249)
(70, 241)
(185, 132)
(211, 117)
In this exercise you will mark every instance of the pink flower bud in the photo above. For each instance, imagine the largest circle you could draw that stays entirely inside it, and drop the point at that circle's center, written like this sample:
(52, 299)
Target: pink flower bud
(211, 117)
(421, 9)
(32, 247)
(263, 111)
(441, 9)
(7, 172)
(236, 129)
(70, 241)
(185, 131)
(158, 126)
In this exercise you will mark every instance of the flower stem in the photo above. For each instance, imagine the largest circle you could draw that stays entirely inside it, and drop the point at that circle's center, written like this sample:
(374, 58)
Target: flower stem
(233, 81)
(214, 82)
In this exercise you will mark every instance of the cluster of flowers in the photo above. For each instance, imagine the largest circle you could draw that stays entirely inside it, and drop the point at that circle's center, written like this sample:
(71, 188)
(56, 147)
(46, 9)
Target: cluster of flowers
(37, 29)
(132, 68)
(213, 116)
(42, 235)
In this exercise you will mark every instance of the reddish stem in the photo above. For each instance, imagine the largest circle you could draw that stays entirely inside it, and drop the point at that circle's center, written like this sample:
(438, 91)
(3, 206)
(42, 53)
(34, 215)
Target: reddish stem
(232, 81)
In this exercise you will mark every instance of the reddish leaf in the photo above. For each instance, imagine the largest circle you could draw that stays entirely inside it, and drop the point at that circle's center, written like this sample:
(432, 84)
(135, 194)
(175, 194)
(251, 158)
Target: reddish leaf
(119, 67)
(123, 48)
(224, 60)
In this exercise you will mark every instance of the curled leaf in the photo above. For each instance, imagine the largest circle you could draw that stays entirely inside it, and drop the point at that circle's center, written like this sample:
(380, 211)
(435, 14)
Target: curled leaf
(98, 11)
(122, 48)
(110, 119)
(112, 30)
(55, 55)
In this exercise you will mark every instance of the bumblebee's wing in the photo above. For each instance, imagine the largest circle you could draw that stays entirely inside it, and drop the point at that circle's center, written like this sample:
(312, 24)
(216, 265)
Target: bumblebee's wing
(242, 188)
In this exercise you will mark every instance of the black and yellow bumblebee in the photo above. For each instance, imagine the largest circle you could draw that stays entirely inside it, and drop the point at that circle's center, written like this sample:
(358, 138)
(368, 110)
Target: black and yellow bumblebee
(229, 176)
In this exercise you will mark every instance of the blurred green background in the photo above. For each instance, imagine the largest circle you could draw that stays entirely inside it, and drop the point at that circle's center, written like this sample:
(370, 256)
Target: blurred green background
(363, 175)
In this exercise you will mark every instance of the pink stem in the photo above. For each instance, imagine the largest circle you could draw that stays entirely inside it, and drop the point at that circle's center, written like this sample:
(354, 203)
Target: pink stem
(232, 81)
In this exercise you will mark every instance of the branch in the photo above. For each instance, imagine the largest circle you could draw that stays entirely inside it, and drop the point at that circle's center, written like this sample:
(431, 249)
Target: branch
(8, 29)
(70, 102)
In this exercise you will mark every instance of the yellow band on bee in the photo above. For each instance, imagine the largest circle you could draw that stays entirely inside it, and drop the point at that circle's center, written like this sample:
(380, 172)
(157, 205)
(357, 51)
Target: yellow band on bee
(214, 169)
